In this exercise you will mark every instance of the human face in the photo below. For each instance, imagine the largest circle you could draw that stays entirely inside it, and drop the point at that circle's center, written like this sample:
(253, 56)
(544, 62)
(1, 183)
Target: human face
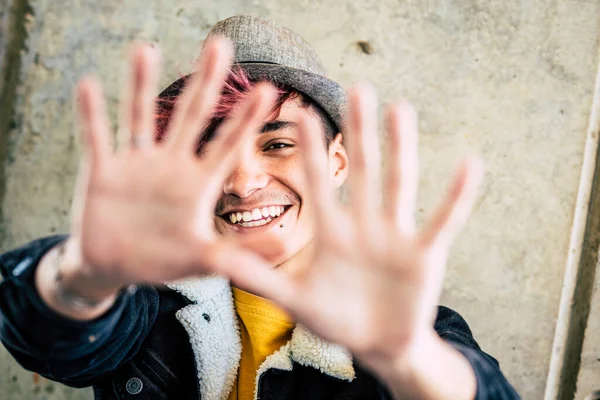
(267, 192)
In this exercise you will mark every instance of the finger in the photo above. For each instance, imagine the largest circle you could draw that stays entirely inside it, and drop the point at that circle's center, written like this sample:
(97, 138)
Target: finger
(96, 136)
(79, 196)
(453, 213)
(200, 96)
(143, 83)
(365, 159)
(246, 120)
(250, 272)
(316, 168)
(403, 167)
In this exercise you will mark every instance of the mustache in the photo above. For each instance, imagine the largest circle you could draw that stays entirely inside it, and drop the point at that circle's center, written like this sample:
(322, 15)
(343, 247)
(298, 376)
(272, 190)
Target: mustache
(230, 201)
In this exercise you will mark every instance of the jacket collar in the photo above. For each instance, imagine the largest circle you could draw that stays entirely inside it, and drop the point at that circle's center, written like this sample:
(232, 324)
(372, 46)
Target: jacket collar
(212, 326)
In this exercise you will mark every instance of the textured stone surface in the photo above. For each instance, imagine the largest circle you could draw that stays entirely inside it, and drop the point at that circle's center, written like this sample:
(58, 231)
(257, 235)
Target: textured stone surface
(510, 80)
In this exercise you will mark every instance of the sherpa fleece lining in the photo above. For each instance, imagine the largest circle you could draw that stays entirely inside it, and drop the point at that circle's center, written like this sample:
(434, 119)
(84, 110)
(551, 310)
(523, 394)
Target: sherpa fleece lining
(212, 325)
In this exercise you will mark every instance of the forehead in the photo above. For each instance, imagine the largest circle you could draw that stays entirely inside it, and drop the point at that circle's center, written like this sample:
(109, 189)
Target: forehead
(294, 108)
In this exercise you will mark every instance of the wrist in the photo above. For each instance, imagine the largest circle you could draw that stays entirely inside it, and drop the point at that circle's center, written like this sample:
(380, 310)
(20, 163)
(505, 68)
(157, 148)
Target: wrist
(80, 279)
(429, 368)
(70, 288)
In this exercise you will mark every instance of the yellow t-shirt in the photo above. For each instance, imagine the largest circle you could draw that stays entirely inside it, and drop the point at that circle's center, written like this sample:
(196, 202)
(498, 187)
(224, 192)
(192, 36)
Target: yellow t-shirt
(264, 328)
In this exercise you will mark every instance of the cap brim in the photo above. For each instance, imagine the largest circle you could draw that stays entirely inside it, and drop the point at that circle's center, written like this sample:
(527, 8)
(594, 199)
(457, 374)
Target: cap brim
(325, 92)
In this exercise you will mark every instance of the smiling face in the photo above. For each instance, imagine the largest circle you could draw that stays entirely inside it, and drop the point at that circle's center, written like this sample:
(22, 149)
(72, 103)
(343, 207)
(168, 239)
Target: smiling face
(267, 192)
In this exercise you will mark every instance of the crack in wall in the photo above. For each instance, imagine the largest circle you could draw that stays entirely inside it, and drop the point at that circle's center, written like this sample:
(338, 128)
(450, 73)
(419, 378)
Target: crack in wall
(583, 295)
(13, 35)
(580, 273)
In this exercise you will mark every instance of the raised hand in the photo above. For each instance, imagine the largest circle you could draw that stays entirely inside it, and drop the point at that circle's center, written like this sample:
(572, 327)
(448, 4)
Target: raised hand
(375, 281)
(145, 213)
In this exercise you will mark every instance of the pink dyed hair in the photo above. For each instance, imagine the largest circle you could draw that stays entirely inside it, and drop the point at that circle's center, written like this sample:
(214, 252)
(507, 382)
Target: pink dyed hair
(236, 87)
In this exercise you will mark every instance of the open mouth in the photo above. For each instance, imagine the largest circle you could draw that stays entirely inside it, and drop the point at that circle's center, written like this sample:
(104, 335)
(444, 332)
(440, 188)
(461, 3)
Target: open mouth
(255, 217)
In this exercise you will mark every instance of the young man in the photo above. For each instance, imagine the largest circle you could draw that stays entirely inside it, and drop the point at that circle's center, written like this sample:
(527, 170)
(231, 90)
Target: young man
(249, 200)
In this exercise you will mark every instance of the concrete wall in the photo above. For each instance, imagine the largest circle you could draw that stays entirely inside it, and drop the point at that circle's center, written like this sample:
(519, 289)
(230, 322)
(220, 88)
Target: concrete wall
(512, 80)
(589, 374)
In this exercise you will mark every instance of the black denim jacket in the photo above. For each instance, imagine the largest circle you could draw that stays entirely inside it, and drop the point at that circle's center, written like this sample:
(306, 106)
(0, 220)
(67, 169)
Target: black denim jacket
(182, 342)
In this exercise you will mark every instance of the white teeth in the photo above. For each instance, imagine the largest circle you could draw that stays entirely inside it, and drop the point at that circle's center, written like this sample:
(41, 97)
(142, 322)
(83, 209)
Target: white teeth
(275, 211)
(256, 217)
(252, 224)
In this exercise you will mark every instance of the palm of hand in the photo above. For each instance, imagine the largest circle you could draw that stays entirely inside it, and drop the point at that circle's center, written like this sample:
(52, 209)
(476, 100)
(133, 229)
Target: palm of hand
(350, 292)
(146, 212)
(374, 282)
(128, 205)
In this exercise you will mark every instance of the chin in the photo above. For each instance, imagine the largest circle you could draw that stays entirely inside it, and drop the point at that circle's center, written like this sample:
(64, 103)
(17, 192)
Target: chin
(280, 239)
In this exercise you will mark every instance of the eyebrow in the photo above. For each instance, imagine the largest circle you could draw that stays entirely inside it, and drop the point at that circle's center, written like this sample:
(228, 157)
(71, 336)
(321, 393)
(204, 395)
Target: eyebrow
(276, 125)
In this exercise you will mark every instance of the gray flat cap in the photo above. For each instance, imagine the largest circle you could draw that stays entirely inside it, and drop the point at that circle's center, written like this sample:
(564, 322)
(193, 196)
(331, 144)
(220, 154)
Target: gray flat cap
(270, 52)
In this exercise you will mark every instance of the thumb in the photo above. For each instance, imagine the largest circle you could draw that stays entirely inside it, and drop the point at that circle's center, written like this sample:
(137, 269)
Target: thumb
(267, 246)
(250, 272)
(249, 265)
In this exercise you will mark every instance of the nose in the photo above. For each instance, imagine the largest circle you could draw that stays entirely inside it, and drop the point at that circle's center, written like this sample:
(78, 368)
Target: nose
(247, 177)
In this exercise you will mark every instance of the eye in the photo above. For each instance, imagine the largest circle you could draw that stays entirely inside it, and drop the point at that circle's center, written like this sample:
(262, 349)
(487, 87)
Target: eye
(278, 146)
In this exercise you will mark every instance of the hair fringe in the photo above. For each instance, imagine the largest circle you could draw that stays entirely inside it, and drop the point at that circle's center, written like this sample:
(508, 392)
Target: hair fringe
(235, 89)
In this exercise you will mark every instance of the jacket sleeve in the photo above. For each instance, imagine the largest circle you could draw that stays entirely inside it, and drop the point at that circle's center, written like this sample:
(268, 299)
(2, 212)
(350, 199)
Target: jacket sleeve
(75, 353)
(491, 383)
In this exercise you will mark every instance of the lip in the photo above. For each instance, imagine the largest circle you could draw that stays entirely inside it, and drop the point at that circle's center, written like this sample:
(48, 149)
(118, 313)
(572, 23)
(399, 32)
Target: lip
(281, 219)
